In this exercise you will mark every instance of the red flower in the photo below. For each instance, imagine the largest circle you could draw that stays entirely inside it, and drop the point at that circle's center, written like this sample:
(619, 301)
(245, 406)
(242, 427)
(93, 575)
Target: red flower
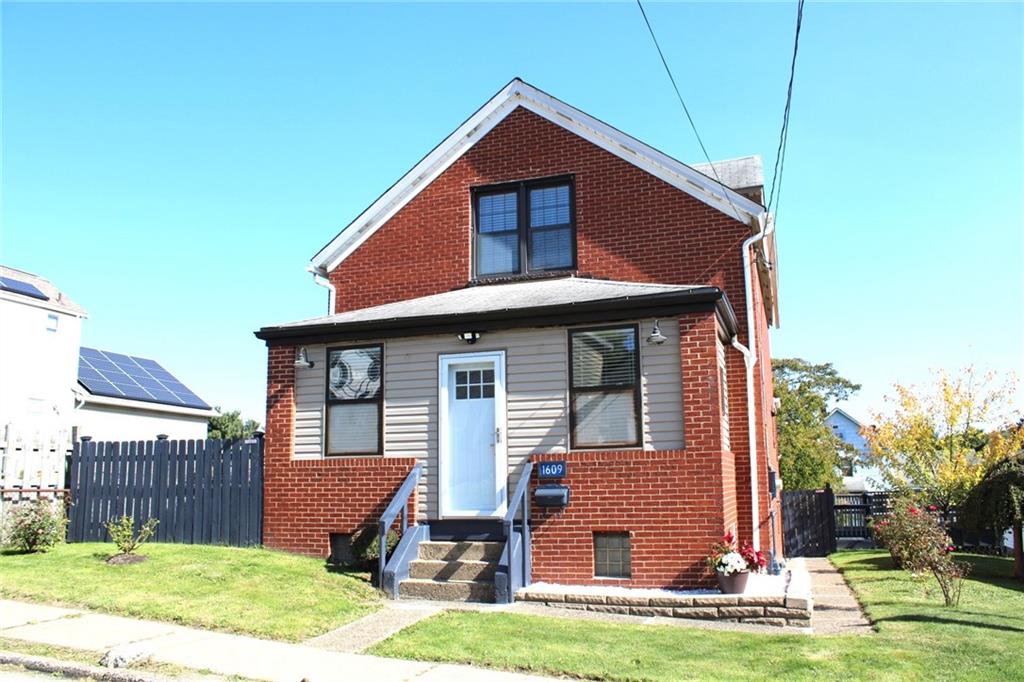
(932, 507)
(951, 548)
(728, 538)
(914, 510)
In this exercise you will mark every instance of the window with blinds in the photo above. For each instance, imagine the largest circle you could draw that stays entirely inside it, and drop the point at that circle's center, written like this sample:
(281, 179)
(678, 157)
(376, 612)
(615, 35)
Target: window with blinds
(524, 227)
(604, 387)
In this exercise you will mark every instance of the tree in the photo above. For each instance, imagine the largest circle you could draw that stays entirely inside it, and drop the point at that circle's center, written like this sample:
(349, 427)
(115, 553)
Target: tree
(934, 440)
(229, 426)
(809, 453)
(997, 502)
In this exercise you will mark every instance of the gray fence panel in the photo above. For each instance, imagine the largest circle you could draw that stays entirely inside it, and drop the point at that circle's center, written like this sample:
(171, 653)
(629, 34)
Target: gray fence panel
(202, 492)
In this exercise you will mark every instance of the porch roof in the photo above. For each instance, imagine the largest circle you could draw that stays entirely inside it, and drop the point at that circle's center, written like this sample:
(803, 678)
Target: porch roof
(484, 307)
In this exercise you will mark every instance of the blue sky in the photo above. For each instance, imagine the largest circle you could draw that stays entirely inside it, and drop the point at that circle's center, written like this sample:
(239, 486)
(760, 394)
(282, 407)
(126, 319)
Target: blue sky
(174, 167)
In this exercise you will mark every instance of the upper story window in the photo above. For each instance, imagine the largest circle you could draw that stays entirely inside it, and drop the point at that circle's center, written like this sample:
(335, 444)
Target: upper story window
(524, 227)
(355, 400)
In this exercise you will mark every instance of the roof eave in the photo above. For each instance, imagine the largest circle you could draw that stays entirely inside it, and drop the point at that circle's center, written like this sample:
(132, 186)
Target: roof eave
(607, 310)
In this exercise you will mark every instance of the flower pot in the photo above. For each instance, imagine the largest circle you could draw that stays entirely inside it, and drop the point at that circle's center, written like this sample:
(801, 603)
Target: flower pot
(734, 583)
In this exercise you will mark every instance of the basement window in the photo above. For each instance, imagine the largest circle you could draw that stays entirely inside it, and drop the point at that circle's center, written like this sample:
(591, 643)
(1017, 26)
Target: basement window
(612, 555)
(355, 400)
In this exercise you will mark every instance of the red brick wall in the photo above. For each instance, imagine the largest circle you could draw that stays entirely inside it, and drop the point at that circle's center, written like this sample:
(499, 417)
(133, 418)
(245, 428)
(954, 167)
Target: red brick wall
(304, 501)
(674, 503)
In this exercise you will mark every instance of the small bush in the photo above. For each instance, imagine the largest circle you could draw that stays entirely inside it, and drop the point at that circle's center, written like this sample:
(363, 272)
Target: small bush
(366, 545)
(122, 532)
(36, 526)
(917, 541)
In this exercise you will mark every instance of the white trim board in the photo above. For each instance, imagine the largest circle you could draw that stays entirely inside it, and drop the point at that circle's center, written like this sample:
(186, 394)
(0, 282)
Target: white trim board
(521, 94)
(143, 406)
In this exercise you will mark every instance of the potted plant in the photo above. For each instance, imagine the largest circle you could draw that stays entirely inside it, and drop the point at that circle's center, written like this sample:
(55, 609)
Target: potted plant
(732, 566)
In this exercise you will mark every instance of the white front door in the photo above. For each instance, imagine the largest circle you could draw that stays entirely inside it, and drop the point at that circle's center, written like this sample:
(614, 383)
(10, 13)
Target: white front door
(472, 471)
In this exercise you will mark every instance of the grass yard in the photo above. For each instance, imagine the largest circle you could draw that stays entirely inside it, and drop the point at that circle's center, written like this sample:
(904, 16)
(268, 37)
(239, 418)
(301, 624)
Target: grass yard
(251, 591)
(917, 639)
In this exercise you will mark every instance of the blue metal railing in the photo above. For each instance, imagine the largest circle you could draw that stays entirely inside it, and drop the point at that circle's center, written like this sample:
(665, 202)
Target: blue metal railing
(399, 505)
(516, 559)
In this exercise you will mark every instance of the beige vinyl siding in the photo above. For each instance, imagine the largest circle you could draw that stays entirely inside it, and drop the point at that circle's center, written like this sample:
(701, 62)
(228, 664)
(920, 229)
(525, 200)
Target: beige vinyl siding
(310, 387)
(537, 380)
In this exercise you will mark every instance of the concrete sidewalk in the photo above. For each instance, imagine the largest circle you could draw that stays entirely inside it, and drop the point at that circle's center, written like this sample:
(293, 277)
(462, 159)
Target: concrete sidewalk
(222, 653)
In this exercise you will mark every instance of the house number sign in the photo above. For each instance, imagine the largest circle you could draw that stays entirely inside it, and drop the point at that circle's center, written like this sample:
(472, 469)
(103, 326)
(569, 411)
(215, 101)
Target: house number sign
(552, 470)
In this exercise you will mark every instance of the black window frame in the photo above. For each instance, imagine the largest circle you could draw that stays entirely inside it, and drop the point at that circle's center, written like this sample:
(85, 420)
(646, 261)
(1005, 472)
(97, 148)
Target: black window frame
(523, 230)
(618, 388)
(628, 563)
(329, 400)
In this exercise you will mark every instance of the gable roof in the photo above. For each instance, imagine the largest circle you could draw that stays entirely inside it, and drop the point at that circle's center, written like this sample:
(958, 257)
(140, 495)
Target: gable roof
(843, 413)
(536, 303)
(24, 287)
(521, 94)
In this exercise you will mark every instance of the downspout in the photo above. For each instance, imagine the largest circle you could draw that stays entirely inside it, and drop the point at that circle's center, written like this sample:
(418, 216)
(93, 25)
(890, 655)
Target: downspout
(320, 278)
(765, 225)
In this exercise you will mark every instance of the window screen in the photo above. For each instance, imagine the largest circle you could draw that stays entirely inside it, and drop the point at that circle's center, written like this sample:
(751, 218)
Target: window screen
(605, 387)
(611, 555)
(525, 227)
(354, 400)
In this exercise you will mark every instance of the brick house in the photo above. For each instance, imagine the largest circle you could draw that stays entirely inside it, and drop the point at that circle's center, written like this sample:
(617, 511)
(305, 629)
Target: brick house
(540, 288)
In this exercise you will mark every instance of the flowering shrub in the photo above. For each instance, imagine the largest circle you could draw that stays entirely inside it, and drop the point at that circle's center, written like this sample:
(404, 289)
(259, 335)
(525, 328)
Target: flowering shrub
(726, 559)
(122, 532)
(36, 526)
(917, 540)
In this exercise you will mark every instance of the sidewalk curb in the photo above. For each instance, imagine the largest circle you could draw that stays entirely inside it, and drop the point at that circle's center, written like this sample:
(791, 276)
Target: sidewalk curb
(53, 665)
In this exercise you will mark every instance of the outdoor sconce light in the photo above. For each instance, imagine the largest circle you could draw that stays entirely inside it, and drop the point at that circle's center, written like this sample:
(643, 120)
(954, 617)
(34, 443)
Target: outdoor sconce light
(656, 337)
(302, 359)
(469, 337)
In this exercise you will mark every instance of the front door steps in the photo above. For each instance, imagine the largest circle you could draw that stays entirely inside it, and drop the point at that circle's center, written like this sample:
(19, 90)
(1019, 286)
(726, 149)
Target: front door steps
(453, 571)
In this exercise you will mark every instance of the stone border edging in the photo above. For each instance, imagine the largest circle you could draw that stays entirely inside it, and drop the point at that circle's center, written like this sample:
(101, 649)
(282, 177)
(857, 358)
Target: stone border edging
(67, 668)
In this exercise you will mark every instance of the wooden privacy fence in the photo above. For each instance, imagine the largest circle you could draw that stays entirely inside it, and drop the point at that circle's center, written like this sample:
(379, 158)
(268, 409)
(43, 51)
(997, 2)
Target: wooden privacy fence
(201, 491)
(809, 522)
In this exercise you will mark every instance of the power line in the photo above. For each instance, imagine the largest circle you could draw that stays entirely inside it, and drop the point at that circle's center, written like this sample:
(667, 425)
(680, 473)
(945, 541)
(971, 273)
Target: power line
(780, 154)
(686, 110)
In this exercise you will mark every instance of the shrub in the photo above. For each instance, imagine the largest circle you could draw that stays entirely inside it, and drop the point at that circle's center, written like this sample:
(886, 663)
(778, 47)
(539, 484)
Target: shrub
(366, 545)
(122, 532)
(36, 526)
(917, 541)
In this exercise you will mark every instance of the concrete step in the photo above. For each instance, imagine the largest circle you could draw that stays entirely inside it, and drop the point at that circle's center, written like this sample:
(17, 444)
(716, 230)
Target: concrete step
(447, 590)
(461, 551)
(452, 570)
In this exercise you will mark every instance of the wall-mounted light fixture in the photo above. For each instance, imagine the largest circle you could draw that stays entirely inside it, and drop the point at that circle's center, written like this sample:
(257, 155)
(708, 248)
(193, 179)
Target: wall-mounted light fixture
(469, 337)
(302, 359)
(656, 337)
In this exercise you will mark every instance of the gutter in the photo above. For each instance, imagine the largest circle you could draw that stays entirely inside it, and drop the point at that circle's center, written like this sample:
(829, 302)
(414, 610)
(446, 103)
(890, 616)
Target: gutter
(766, 223)
(320, 278)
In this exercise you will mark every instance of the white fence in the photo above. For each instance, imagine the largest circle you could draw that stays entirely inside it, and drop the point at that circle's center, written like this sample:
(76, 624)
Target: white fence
(31, 468)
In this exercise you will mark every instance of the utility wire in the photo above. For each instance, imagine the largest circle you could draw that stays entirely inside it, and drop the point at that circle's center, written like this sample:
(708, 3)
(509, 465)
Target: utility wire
(780, 154)
(686, 110)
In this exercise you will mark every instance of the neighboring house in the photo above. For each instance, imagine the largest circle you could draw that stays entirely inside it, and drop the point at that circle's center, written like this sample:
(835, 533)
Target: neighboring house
(858, 477)
(540, 287)
(121, 397)
(40, 331)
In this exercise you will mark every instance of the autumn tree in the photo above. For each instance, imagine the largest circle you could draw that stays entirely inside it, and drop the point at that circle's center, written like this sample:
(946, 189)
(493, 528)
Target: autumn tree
(942, 439)
(809, 452)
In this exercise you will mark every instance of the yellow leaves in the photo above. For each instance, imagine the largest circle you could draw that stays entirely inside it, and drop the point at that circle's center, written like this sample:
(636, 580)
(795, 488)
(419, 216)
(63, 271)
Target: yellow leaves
(935, 439)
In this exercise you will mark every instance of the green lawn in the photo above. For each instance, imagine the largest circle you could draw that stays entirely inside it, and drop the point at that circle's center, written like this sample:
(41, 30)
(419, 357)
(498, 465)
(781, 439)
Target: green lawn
(917, 638)
(252, 591)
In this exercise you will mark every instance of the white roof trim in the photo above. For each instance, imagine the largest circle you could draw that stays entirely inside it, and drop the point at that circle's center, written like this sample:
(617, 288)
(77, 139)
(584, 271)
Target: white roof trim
(106, 401)
(520, 94)
(846, 414)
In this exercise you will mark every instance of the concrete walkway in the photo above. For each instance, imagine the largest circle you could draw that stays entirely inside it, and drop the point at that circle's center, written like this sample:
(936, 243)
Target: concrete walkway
(221, 653)
(836, 609)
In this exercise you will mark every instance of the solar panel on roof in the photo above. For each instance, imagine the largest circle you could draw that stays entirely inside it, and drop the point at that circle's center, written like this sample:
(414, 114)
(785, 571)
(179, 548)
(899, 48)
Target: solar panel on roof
(123, 376)
(24, 288)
